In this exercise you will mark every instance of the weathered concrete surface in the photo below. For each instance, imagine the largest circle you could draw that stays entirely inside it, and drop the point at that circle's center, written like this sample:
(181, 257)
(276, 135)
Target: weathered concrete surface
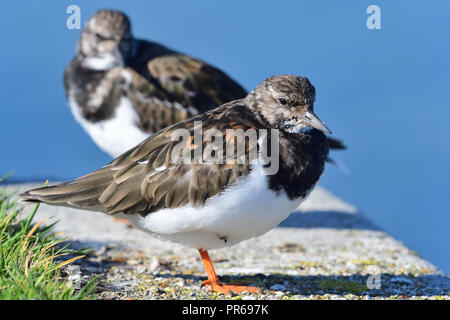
(325, 250)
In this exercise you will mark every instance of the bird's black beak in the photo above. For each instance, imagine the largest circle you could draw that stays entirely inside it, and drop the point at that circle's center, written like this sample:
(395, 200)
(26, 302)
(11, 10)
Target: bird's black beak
(311, 120)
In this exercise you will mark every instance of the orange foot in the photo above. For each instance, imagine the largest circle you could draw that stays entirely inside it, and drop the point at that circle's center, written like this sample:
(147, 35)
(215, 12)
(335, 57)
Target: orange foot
(125, 221)
(217, 286)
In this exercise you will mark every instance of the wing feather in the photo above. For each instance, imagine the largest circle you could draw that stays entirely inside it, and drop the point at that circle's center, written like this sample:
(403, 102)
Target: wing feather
(144, 179)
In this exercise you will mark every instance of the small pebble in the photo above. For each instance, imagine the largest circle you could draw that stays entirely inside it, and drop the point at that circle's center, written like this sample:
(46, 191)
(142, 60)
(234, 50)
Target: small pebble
(278, 287)
(154, 264)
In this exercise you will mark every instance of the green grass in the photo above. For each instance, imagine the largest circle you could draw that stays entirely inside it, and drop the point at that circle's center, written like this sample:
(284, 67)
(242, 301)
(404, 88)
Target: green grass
(31, 258)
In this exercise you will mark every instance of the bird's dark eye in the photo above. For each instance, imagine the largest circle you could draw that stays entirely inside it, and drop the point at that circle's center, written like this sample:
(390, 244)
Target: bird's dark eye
(100, 37)
(282, 101)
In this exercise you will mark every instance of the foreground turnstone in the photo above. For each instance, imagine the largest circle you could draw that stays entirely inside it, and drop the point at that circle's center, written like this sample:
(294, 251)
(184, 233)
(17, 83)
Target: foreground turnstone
(121, 89)
(214, 202)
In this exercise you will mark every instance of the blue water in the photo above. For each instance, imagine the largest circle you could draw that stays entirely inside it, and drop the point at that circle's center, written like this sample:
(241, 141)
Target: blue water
(385, 92)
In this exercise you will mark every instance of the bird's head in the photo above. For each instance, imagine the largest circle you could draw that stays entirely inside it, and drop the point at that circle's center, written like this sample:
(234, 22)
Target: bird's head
(106, 40)
(287, 103)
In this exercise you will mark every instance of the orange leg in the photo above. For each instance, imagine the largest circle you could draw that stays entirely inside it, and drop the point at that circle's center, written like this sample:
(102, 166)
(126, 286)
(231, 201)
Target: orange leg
(214, 282)
(125, 221)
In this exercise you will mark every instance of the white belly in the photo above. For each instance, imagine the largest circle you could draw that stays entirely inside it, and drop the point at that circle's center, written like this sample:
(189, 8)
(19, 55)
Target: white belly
(247, 209)
(116, 135)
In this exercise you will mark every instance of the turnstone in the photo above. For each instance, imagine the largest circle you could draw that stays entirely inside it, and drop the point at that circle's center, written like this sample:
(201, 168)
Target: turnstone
(212, 204)
(121, 89)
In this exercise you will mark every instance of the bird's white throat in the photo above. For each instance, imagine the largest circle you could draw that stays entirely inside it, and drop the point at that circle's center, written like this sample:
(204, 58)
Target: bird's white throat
(296, 127)
(105, 62)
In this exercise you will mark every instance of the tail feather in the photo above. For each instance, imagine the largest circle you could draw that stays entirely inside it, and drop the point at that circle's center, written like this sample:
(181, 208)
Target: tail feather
(82, 192)
(336, 144)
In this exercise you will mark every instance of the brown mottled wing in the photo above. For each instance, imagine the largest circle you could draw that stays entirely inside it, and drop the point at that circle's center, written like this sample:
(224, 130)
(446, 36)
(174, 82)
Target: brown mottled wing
(157, 109)
(146, 179)
(175, 87)
(193, 82)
